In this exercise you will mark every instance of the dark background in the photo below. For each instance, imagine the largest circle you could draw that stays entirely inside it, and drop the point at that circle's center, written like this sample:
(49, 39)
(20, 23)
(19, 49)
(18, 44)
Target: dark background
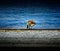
(54, 3)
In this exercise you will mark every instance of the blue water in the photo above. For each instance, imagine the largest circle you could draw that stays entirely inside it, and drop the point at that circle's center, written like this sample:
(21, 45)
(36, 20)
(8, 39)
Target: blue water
(45, 18)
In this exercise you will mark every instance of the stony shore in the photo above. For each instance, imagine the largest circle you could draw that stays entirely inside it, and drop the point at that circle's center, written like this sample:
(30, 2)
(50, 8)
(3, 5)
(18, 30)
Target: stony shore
(30, 37)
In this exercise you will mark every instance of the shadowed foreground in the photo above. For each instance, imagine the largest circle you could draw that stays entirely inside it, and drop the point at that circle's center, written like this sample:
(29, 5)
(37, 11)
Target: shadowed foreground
(31, 38)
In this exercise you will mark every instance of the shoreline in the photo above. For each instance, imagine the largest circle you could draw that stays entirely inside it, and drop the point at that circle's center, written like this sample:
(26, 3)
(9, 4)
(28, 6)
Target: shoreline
(22, 30)
(29, 38)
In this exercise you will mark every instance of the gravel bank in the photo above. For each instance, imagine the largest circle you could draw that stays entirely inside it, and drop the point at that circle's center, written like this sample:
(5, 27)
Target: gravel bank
(30, 36)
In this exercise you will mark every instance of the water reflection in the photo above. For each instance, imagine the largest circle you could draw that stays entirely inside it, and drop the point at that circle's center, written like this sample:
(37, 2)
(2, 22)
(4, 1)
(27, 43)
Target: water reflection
(18, 17)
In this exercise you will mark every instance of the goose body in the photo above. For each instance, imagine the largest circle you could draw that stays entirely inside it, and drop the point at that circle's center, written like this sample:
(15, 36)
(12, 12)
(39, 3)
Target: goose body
(30, 24)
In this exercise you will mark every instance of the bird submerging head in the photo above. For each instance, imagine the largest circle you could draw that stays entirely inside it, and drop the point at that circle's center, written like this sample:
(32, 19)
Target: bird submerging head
(30, 24)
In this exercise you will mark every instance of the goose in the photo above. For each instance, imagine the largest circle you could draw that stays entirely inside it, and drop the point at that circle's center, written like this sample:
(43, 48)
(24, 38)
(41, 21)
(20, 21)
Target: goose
(30, 24)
